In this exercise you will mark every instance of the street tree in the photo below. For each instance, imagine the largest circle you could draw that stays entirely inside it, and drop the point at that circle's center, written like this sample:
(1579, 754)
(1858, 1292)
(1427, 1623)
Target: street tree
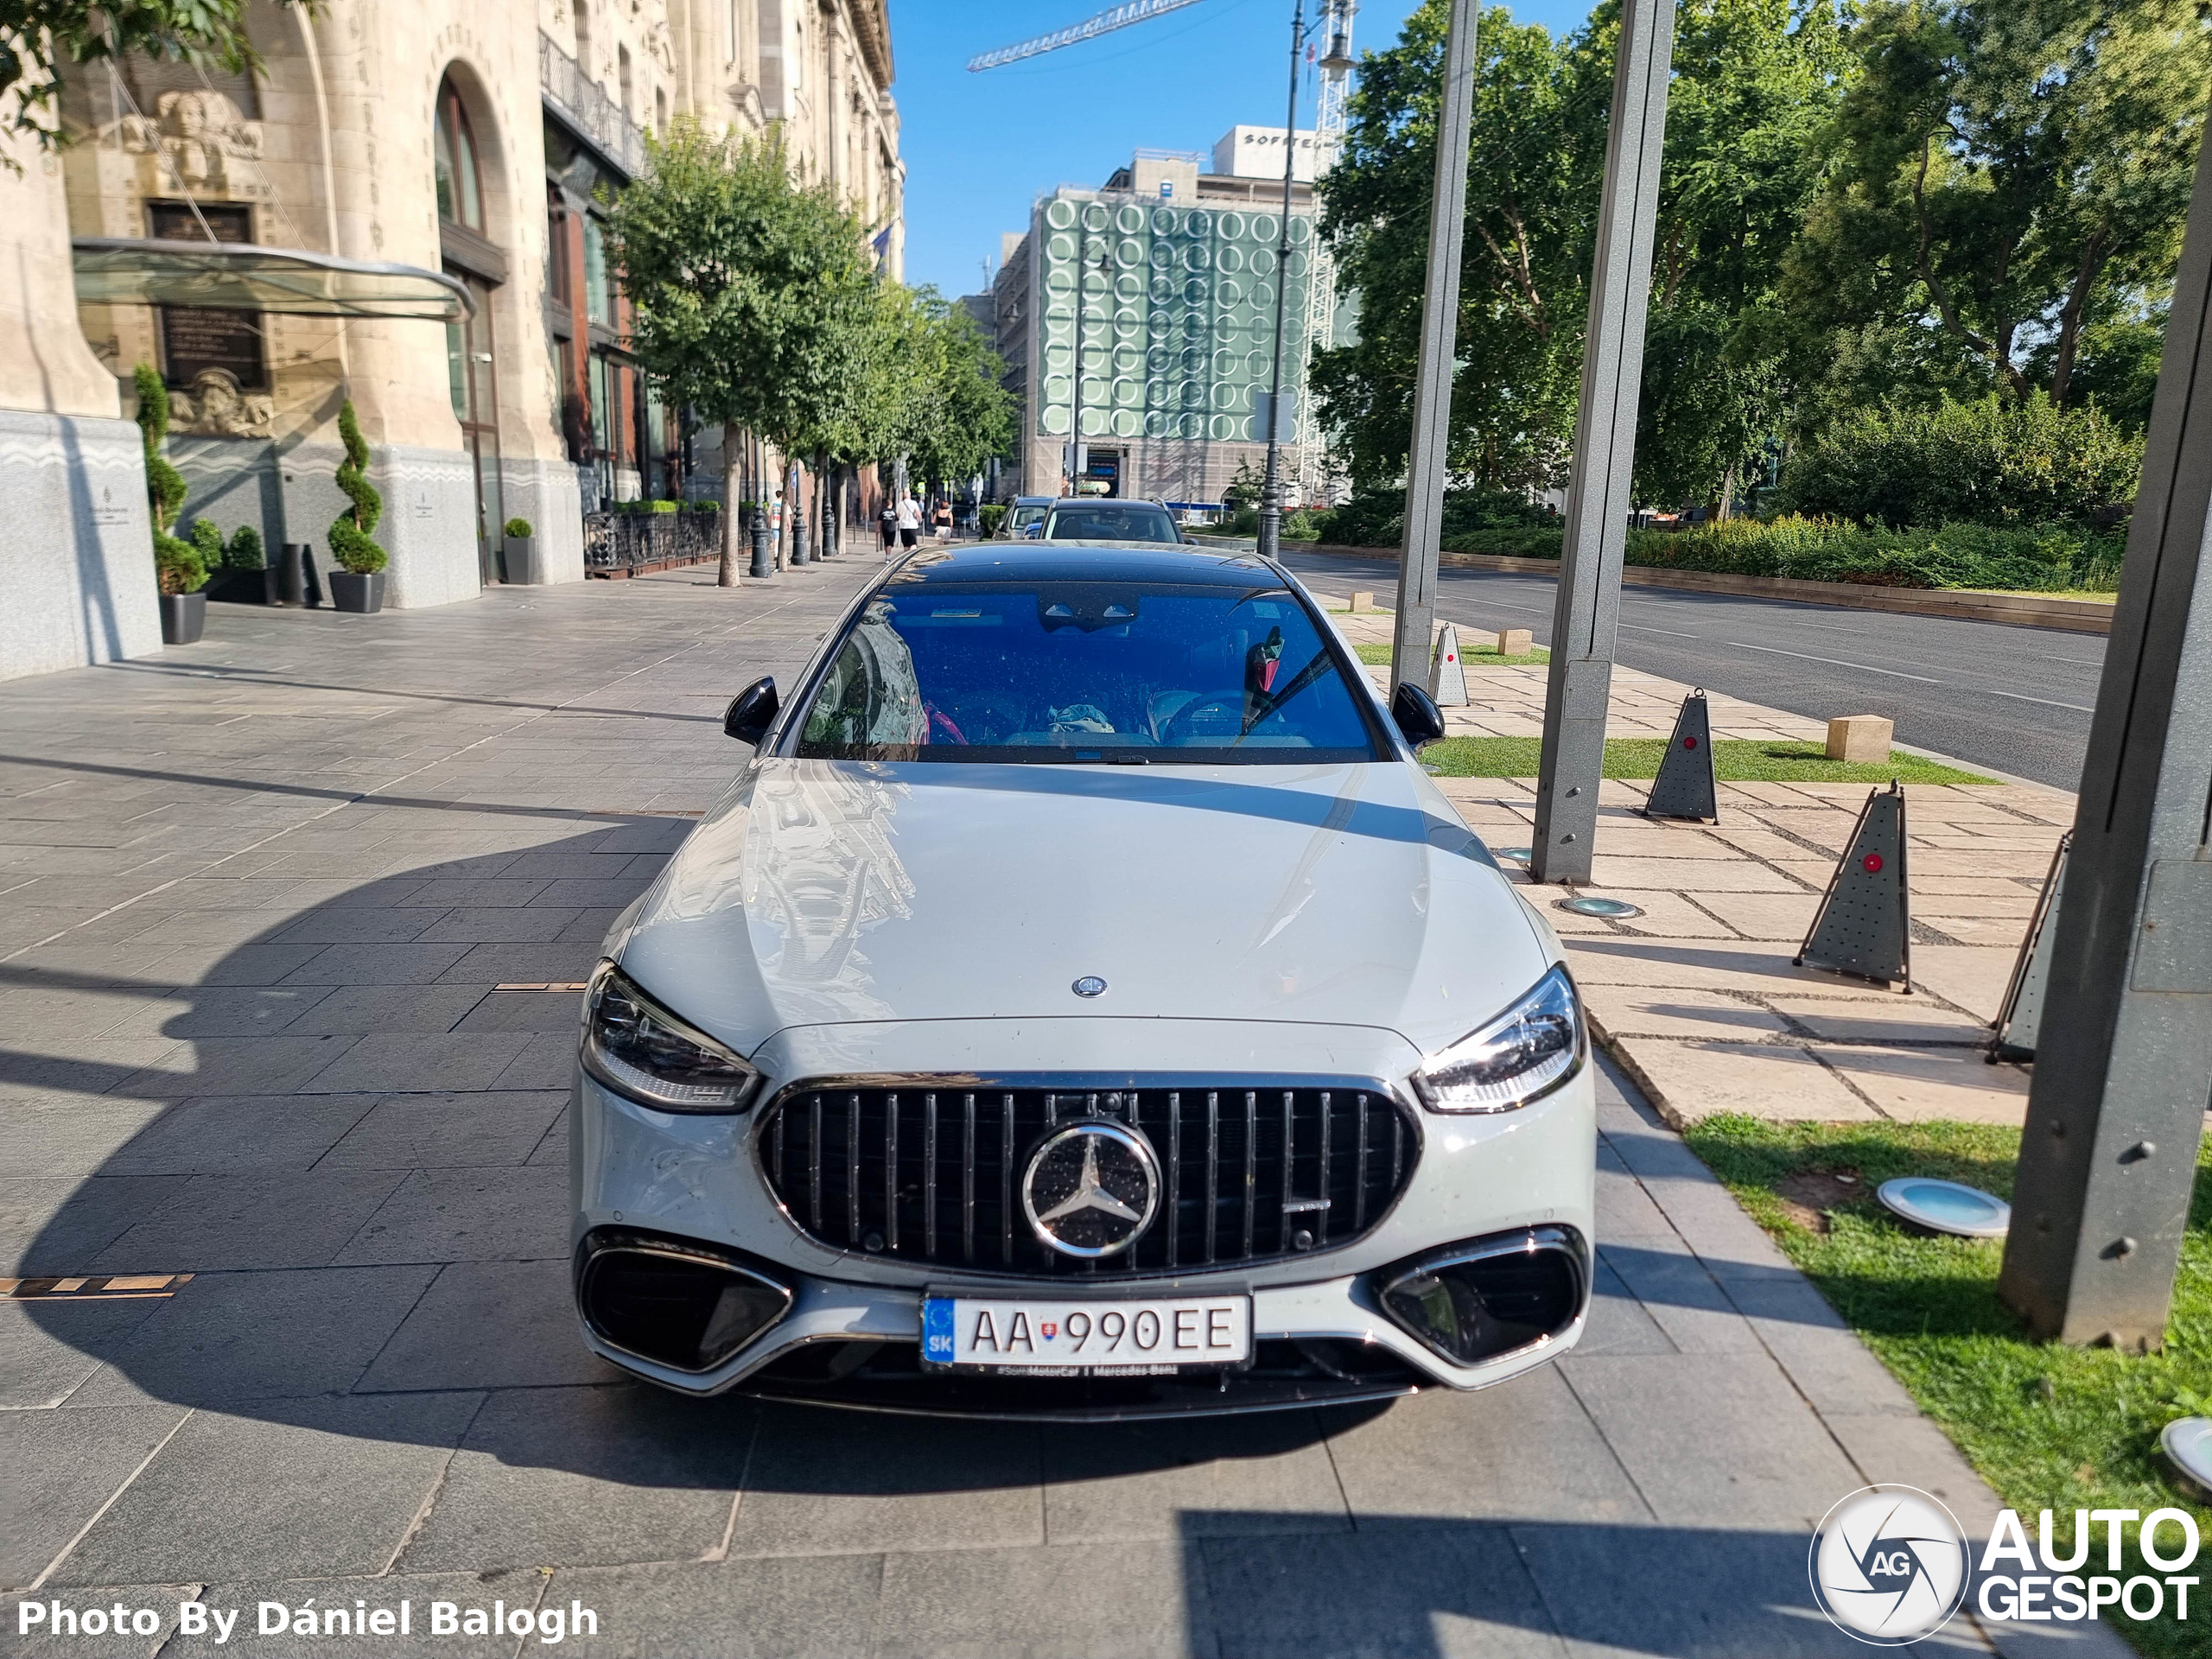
(958, 416)
(2007, 177)
(753, 293)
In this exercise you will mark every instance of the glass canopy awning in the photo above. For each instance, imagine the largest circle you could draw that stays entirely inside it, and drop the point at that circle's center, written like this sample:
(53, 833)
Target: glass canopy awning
(243, 277)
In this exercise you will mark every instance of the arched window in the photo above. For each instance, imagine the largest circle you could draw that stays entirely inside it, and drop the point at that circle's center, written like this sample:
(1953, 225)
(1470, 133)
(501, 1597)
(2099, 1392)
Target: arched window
(460, 195)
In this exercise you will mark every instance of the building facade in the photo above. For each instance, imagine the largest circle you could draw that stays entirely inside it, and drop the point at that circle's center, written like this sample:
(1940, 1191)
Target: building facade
(477, 142)
(1138, 322)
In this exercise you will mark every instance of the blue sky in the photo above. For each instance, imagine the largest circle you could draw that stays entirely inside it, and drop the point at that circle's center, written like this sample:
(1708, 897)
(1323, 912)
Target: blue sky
(979, 147)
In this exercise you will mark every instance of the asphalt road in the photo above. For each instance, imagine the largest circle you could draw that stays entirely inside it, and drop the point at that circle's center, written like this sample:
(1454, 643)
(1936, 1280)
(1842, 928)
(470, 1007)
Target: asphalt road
(2015, 699)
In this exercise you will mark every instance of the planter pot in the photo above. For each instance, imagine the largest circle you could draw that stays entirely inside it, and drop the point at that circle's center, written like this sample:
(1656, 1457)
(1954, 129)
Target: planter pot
(522, 561)
(184, 618)
(245, 588)
(364, 594)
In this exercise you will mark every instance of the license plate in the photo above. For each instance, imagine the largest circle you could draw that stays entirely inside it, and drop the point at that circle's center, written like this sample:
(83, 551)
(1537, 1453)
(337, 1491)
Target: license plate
(1156, 1337)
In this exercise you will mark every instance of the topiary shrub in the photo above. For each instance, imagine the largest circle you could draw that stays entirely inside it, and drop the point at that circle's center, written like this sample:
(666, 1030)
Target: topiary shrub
(519, 529)
(244, 552)
(179, 567)
(207, 540)
(993, 514)
(353, 532)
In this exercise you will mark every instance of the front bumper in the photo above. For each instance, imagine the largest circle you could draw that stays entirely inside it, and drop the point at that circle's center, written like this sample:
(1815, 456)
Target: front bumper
(851, 1334)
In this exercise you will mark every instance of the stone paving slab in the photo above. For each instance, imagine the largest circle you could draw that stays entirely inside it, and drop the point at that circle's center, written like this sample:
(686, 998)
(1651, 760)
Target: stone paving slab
(371, 1389)
(1704, 1028)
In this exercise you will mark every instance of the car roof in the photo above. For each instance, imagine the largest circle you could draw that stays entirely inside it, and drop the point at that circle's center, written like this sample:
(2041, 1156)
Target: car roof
(1034, 500)
(1092, 503)
(1148, 561)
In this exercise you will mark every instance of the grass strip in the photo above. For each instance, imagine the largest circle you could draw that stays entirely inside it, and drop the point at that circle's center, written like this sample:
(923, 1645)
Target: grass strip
(1377, 654)
(2048, 1426)
(1735, 760)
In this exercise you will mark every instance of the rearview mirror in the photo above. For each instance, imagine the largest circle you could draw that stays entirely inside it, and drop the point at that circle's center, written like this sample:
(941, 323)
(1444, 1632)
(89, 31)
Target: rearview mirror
(751, 712)
(1418, 720)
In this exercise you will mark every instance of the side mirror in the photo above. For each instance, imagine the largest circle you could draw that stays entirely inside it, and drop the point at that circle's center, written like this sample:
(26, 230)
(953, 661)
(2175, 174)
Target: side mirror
(1418, 718)
(751, 710)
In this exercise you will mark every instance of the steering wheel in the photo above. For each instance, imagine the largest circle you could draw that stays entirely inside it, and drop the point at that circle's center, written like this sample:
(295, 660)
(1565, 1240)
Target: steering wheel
(1180, 722)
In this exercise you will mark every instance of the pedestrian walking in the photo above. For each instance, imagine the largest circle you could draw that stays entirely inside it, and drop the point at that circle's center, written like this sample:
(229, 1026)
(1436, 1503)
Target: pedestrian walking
(888, 522)
(943, 519)
(910, 520)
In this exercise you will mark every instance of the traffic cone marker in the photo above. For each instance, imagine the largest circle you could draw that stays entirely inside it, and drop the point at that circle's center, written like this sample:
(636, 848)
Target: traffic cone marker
(1864, 926)
(1448, 675)
(2019, 1017)
(1686, 786)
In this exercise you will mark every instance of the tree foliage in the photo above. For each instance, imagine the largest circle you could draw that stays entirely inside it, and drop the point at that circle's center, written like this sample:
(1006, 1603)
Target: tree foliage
(1995, 461)
(2007, 182)
(40, 38)
(1891, 203)
(754, 299)
(958, 416)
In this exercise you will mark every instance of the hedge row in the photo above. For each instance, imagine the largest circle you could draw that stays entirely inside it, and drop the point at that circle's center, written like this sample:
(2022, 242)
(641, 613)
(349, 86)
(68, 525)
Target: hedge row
(2046, 558)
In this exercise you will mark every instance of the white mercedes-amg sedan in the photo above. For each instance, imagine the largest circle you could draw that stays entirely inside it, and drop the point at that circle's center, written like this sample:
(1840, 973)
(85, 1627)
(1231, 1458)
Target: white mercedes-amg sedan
(1082, 1005)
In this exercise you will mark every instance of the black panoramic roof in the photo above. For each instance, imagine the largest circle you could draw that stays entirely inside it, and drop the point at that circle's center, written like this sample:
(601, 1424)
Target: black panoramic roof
(1026, 561)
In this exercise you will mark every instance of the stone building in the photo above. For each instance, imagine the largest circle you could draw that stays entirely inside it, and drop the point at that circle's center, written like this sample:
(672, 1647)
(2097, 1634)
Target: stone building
(431, 177)
(1142, 314)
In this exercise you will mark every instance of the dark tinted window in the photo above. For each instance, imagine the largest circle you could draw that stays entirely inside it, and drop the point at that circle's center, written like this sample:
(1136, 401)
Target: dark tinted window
(1110, 521)
(1060, 670)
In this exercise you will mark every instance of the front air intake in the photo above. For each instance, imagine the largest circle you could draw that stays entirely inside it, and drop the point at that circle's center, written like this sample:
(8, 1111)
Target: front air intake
(677, 1304)
(1487, 1298)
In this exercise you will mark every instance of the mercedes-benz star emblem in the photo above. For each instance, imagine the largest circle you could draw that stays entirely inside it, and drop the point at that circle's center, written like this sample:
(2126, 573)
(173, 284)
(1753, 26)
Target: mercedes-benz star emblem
(1088, 985)
(1091, 1189)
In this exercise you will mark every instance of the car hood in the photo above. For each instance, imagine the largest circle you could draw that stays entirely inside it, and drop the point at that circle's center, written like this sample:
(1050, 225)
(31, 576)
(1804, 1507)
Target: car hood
(829, 892)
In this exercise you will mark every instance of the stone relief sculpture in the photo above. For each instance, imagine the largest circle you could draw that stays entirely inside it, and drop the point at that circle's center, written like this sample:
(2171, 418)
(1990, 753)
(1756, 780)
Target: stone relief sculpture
(216, 408)
(197, 133)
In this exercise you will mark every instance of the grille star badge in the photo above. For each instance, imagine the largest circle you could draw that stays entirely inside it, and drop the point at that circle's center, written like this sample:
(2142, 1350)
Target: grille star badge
(1091, 1189)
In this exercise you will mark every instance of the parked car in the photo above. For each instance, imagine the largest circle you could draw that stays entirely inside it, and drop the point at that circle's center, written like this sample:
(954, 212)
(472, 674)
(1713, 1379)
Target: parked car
(1083, 1004)
(1089, 520)
(1026, 509)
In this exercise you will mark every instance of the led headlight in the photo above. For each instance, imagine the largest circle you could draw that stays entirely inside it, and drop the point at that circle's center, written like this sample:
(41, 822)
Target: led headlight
(1526, 1052)
(638, 1048)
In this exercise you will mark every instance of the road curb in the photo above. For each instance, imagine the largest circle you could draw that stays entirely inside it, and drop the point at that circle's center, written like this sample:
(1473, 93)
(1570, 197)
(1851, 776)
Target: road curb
(2066, 615)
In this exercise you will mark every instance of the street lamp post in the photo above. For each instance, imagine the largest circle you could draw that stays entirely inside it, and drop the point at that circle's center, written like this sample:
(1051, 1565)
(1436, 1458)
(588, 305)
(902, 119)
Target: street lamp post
(1271, 489)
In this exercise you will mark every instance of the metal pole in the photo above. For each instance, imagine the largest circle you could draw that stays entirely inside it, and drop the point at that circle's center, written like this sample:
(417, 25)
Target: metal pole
(1271, 487)
(1587, 614)
(2124, 1058)
(1426, 459)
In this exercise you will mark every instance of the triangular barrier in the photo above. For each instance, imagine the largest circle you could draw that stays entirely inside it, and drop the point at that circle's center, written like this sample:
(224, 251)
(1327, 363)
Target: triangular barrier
(2019, 1017)
(1686, 786)
(1864, 926)
(1448, 675)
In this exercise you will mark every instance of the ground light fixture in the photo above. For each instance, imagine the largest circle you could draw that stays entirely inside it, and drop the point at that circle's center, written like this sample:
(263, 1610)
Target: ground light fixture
(1946, 1207)
(2187, 1442)
(1587, 904)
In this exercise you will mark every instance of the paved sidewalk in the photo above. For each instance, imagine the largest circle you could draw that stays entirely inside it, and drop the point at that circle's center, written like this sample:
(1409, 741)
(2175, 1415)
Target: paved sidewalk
(270, 896)
(1697, 998)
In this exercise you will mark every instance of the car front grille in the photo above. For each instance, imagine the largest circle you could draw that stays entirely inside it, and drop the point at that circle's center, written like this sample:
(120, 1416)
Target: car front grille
(933, 1174)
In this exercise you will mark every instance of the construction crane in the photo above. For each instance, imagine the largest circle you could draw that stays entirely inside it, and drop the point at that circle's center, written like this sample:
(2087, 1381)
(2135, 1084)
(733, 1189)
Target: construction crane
(1332, 31)
(1105, 23)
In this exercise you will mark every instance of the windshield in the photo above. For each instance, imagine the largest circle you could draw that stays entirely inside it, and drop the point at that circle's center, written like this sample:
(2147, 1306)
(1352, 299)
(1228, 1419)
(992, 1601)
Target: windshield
(1114, 521)
(1085, 670)
(1021, 518)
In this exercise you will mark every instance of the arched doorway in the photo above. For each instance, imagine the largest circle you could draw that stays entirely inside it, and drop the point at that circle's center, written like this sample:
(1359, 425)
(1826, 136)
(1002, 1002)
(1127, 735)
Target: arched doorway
(471, 365)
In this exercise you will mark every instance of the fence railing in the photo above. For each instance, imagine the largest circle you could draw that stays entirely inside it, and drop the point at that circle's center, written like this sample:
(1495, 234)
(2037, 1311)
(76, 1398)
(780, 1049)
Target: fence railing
(623, 543)
(579, 101)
